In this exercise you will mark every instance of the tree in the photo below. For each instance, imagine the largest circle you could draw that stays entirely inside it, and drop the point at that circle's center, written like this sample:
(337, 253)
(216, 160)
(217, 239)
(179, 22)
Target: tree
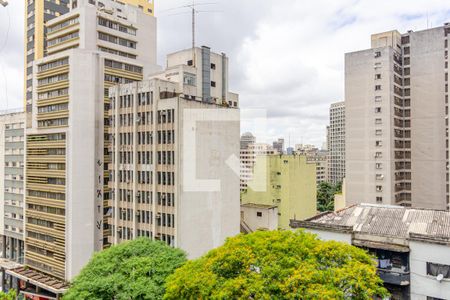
(325, 195)
(10, 295)
(278, 265)
(130, 270)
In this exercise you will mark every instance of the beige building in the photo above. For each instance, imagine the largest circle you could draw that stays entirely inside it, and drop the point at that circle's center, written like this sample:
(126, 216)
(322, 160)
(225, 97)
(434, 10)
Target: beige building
(170, 138)
(396, 102)
(89, 49)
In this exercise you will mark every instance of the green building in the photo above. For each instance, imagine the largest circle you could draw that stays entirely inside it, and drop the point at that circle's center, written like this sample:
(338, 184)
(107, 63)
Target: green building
(285, 181)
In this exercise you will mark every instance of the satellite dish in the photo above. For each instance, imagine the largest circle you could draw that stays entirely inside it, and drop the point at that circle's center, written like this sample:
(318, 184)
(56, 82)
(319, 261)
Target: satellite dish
(439, 277)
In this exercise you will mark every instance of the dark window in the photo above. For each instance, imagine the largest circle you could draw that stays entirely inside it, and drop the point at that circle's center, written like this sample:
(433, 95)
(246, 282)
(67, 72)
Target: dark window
(213, 66)
(213, 83)
(436, 269)
(259, 214)
(189, 62)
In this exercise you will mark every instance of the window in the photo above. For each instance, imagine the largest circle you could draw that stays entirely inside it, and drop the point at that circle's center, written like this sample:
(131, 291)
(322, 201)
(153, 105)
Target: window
(379, 188)
(189, 62)
(378, 132)
(379, 176)
(378, 154)
(213, 83)
(377, 109)
(378, 121)
(377, 54)
(378, 87)
(379, 199)
(378, 143)
(213, 66)
(378, 166)
(377, 76)
(377, 98)
(406, 50)
(434, 269)
(259, 214)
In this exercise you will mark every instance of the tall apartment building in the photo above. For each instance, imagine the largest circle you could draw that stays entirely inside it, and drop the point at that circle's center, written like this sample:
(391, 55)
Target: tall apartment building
(37, 13)
(11, 185)
(248, 159)
(160, 150)
(336, 143)
(278, 145)
(89, 49)
(396, 102)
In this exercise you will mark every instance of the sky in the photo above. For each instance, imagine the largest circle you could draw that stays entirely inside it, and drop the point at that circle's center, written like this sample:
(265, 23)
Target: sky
(286, 57)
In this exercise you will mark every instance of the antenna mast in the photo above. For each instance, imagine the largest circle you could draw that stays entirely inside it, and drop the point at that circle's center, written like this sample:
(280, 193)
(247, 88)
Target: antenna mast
(193, 33)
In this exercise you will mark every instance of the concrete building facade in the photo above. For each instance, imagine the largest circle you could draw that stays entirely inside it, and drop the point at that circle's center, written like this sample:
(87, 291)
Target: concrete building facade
(12, 143)
(396, 103)
(287, 182)
(336, 143)
(89, 49)
(154, 161)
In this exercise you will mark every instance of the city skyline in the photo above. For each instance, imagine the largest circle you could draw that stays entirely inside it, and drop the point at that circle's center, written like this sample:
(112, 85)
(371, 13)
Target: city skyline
(316, 81)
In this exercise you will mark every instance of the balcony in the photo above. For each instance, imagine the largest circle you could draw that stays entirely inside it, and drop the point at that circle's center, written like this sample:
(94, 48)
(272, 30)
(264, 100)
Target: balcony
(394, 277)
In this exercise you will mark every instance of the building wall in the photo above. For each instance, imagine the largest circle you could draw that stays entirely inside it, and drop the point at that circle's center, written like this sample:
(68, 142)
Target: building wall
(411, 107)
(286, 181)
(423, 285)
(361, 123)
(428, 168)
(268, 218)
(332, 236)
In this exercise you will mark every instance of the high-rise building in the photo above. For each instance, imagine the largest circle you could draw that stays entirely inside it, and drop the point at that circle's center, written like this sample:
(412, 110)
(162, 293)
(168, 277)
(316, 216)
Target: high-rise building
(37, 13)
(336, 143)
(11, 185)
(89, 49)
(396, 113)
(287, 182)
(247, 139)
(155, 160)
(278, 145)
(248, 158)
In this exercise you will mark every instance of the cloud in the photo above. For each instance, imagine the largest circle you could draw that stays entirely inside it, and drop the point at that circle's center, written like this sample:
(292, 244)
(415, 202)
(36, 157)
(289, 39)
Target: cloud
(286, 56)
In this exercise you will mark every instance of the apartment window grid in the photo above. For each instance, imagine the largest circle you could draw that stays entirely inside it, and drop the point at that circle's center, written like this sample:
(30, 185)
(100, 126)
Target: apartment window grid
(156, 130)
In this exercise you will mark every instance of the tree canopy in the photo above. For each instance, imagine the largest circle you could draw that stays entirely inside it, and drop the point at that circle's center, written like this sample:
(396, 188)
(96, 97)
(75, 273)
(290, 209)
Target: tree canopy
(278, 265)
(325, 195)
(131, 270)
(10, 295)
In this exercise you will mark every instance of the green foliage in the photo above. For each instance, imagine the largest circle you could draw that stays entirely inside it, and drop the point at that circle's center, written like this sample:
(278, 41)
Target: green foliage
(131, 270)
(325, 195)
(278, 265)
(10, 295)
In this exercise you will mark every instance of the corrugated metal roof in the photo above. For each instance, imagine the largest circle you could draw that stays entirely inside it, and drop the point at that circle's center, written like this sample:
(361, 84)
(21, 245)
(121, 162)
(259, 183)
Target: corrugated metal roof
(392, 221)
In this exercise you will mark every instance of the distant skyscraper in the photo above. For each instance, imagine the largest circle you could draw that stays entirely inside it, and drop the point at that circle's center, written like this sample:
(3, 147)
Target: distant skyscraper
(336, 142)
(247, 139)
(278, 145)
(396, 101)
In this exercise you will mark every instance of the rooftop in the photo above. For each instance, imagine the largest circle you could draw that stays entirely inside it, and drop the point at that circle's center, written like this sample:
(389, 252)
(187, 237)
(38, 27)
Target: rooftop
(384, 220)
(39, 279)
